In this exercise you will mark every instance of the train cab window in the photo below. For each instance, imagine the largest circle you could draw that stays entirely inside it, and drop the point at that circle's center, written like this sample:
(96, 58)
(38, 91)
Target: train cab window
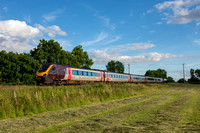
(44, 67)
(53, 68)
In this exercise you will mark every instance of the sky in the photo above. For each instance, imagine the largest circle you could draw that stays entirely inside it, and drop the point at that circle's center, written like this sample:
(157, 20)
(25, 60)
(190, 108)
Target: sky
(147, 34)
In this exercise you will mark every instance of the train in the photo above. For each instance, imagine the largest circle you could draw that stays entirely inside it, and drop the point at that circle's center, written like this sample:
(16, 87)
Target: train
(63, 74)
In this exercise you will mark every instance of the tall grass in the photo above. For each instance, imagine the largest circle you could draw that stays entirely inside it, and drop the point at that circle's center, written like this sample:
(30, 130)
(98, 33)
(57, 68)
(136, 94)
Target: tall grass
(16, 101)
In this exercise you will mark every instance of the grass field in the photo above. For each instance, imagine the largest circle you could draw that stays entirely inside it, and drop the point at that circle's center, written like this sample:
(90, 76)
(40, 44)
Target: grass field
(150, 108)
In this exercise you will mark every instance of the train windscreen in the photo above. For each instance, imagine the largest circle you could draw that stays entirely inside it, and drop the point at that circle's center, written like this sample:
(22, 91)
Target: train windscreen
(44, 67)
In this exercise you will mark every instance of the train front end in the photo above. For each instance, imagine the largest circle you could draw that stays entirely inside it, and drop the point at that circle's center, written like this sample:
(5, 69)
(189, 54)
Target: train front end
(42, 73)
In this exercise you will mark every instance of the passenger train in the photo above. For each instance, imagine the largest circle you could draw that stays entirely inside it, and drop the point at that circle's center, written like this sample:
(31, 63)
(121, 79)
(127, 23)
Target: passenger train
(63, 74)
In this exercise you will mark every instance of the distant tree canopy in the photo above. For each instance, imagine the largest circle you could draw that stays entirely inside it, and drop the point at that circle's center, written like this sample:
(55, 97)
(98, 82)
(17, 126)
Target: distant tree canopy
(182, 80)
(80, 58)
(21, 68)
(115, 66)
(52, 52)
(17, 68)
(194, 76)
(170, 80)
(161, 73)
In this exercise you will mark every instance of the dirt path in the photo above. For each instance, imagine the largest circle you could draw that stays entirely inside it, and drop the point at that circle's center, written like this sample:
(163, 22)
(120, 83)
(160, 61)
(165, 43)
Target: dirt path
(168, 110)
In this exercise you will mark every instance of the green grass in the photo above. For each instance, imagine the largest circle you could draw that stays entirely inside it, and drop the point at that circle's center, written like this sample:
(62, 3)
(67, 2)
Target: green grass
(108, 108)
(17, 101)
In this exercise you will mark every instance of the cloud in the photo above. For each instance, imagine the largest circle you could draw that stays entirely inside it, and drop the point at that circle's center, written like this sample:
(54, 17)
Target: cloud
(51, 30)
(99, 38)
(133, 46)
(197, 41)
(106, 22)
(52, 15)
(27, 19)
(103, 57)
(16, 28)
(5, 9)
(113, 39)
(183, 11)
(131, 13)
(17, 36)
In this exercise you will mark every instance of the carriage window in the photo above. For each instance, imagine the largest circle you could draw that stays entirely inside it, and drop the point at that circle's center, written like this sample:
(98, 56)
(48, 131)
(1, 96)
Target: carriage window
(69, 72)
(93, 74)
(89, 73)
(79, 72)
(85, 73)
(74, 72)
(97, 74)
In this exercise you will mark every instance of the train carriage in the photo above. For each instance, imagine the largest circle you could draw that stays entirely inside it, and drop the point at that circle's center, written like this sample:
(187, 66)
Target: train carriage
(50, 73)
(116, 77)
(138, 78)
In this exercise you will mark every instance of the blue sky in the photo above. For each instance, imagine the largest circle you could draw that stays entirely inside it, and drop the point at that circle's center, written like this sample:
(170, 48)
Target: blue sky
(146, 34)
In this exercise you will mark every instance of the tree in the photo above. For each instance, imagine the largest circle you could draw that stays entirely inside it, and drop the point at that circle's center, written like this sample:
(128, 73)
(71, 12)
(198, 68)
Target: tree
(50, 52)
(80, 58)
(194, 76)
(170, 80)
(119, 67)
(197, 73)
(17, 68)
(111, 66)
(161, 73)
(115, 66)
(182, 80)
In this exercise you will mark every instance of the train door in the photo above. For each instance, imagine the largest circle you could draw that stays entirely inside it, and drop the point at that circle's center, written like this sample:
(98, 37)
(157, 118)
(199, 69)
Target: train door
(132, 78)
(107, 76)
(66, 74)
(69, 74)
(101, 73)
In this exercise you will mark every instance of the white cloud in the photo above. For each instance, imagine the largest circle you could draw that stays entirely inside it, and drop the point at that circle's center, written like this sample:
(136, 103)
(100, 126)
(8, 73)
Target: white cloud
(52, 15)
(184, 11)
(17, 36)
(159, 23)
(99, 38)
(133, 46)
(103, 57)
(16, 28)
(52, 30)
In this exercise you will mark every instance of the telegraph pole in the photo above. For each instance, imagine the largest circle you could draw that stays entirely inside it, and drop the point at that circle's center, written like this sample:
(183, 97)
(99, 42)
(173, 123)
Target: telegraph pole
(183, 73)
(129, 71)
